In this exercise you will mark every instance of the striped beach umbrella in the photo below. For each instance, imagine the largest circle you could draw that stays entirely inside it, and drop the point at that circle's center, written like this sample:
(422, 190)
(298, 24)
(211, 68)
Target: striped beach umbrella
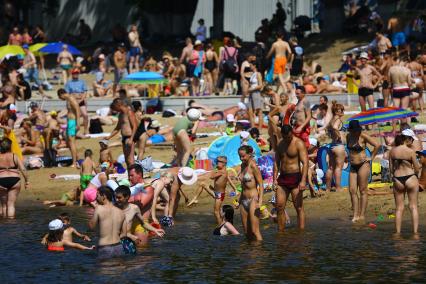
(144, 77)
(380, 115)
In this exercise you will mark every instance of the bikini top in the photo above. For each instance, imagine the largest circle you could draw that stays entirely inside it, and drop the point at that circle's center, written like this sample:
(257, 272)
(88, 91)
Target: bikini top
(356, 148)
(15, 166)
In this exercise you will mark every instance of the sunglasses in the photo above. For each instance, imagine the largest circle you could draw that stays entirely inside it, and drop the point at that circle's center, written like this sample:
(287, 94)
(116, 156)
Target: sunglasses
(221, 161)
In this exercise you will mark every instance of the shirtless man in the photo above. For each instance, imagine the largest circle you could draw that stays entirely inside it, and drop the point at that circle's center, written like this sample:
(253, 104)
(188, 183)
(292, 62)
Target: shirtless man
(112, 225)
(135, 49)
(72, 125)
(395, 28)
(127, 124)
(366, 86)
(37, 117)
(218, 190)
(291, 152)
(387, 63)
(302, 115)
(417, 77)
(282, 53)
(383, 43)
(186, 52)
(51, 130)
(120, 70)
(133, 216)
(400, 80)
(65, 60)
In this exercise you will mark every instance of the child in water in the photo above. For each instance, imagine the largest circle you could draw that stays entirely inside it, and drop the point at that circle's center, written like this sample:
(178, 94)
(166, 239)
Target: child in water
(226, 226)
(86, 173)
(55, 238)
(69, 231)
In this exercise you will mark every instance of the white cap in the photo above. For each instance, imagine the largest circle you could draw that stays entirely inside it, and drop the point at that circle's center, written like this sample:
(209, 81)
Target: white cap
(409, 132)
(242, 106)
(12, 107)
(187, 176)
(230, 117)
(193, 114)
(55, 225)
(155, 124)
(363, 55)
(198, 42)
(244, 134)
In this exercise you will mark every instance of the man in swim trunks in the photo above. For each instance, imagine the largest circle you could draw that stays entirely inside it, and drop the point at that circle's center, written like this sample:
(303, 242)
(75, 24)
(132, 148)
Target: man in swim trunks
(127, 124)
(395, 27)
(366, 86)
(137, 225)
(37, 117)
(282, 52)
(400, 80)
(384, 70)
(302, 115)
(135, 49)
(112, 225)
(120, 70)
(65, 60)
(291, 161)
(78, 89)
(72, 125)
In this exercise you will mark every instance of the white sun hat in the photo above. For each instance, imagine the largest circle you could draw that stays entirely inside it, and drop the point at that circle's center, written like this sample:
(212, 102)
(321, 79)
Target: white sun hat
(187, 176)
(55, 225)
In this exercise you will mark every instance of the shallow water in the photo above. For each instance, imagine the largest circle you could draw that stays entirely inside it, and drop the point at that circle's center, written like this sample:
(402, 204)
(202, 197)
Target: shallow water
(329, 250)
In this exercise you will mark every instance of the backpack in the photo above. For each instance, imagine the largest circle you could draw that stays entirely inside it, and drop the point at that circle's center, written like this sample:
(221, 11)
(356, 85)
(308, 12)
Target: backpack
(229, 64)
(95, 126)
(49, 158)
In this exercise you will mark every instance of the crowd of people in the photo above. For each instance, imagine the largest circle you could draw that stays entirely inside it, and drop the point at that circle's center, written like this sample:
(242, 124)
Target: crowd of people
(126, 203)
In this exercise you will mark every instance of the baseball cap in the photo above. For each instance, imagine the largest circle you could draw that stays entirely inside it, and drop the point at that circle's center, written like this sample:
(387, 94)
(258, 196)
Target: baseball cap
(53, 113)
(363, 55)
(230, 117)
(410, 133)
(12, 107)
(198, 42)
(55, 225)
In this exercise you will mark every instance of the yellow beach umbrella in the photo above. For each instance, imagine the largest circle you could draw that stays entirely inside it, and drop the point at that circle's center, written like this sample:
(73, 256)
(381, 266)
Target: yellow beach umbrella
(35, 47)
(10, 50)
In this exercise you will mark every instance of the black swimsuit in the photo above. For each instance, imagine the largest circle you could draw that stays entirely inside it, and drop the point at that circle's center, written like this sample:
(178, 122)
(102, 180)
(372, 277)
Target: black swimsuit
(210, 65)
(9, 182)
(403, 179)
(357, 149)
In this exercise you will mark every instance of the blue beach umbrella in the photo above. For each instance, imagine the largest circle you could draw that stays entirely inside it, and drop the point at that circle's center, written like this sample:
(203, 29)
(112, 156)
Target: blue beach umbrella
(56, 47)
(144, 77)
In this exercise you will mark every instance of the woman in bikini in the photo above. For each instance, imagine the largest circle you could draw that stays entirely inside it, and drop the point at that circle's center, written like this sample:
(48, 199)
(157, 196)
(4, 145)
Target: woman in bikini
(405, 168)
(10, 181)
(252, 194)
(211, 70)
(337, 149)
(360, 167)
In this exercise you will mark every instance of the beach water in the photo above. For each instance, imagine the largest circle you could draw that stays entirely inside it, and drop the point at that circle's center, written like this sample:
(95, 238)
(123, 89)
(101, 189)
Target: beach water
(329, 250)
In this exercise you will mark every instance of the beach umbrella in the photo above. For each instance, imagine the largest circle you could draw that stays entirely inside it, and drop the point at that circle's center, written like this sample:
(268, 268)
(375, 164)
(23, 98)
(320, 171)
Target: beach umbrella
(144, 77)
(10, 50)
(56, 47)
(36, 47)
(380, 115)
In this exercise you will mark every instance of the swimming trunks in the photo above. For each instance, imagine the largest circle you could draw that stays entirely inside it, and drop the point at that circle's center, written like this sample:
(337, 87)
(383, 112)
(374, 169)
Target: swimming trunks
(157, 138)
(401, 92)
(398, 39)
(219, 195)
(109, 251)
(84, 181)
(365, 92)
(54, 248)
(134, 51)
(71, 127)
(290, 180)
(66, 66)
(279, 65)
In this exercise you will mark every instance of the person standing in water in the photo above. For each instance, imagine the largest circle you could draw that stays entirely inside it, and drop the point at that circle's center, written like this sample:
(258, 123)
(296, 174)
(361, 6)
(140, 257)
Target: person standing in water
(226, 226)
(360, 167)
(252, 194)
(72, 126)
(405, 168)
(127, 124)
(112, 225)
(291, 154)
(282, 52)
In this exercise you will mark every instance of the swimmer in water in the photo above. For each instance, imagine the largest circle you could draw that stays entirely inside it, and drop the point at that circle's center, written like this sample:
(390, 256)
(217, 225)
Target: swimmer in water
(218, 190)
(226, 226)
(55, 240)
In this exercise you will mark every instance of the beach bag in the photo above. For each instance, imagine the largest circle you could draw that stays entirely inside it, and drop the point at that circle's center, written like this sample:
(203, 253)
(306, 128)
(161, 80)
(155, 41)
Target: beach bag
(95, 126)
(32, 163)
(229, 64)
(266, 167)
(153, 106)
(203, 165)
(49, 158)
